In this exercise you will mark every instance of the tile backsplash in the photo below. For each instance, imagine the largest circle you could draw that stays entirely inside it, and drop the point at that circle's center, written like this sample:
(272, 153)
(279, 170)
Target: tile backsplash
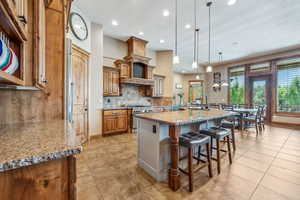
(130, 96)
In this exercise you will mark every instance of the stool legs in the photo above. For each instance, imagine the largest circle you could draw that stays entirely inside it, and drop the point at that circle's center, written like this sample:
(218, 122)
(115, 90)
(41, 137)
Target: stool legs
(233, 138)
(229, 149)
(190, 163)
(218, 155)
(209, 160)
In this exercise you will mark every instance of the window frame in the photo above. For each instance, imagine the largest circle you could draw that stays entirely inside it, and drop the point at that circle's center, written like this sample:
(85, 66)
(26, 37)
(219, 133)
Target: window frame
(229, 82)
(275, 83)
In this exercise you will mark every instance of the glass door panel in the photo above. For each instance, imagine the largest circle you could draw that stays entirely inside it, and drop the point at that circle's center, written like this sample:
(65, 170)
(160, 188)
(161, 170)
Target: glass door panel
(259, 94)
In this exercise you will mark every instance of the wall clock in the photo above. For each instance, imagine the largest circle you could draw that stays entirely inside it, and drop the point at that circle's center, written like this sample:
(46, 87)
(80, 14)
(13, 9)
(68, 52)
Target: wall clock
(78, 26)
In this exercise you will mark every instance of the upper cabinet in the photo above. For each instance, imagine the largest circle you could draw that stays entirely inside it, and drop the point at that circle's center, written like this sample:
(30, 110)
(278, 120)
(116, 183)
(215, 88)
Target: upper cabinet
(158, 90)
(40, 43)
(124, 68)
(111, 81)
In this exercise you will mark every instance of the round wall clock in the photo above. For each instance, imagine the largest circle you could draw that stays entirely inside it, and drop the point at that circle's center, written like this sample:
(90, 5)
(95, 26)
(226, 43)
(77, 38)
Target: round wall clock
(78, 26)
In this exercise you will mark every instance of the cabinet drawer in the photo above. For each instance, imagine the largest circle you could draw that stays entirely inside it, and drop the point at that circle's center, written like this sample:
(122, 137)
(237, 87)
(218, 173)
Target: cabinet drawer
(115, 112)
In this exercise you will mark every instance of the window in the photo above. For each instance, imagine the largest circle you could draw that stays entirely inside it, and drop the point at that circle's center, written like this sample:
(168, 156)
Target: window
(196, 92)
(262, 67)
(288, 85)
(237, 85)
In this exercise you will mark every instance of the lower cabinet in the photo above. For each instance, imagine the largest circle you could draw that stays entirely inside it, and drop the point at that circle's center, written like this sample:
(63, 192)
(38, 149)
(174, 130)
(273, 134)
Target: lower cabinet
(115, 121)
(54, 179)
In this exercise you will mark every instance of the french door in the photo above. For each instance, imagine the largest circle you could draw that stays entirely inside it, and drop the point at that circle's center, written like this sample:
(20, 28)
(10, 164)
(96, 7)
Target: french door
(261, 93)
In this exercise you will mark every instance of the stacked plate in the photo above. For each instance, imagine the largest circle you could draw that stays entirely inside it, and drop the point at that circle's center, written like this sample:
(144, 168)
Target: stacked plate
(8, 60)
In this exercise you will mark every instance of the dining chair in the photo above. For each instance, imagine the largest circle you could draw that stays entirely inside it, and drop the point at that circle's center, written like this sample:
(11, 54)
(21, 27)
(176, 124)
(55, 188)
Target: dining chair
(253, 121)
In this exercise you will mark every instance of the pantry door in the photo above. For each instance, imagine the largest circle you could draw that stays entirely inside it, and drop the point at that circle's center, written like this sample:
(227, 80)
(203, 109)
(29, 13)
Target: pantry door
(80, 63)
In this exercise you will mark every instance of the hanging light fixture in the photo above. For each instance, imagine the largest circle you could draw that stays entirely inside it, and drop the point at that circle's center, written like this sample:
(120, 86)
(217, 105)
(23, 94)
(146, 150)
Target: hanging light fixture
(209, 67)
(176, 59)
(195, 63)
(223, 83)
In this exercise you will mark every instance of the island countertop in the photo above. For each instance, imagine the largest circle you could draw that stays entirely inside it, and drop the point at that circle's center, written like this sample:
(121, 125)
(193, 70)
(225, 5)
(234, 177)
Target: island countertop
(188, 116)
(25, 144)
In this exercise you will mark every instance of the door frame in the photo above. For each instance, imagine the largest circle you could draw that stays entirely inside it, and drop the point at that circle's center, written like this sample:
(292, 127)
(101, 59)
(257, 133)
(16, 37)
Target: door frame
(269, 97)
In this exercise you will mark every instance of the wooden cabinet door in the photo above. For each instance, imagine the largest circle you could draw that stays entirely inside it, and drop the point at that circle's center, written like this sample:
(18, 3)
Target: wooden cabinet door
(80, 62)
(124, 71)
(122, 123)
(109, 124)
(106, 83)
(115, 83)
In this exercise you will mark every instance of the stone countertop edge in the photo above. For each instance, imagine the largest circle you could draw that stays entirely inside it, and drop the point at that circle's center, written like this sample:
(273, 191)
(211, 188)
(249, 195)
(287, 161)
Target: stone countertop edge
(120, 108)
(181, 123)
(15, 164)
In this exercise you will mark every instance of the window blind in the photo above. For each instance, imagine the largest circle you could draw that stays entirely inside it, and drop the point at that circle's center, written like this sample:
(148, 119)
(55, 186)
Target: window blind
(288, 85)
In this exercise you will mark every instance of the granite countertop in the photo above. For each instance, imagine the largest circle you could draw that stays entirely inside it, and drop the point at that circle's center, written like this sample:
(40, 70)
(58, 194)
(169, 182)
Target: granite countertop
(25, 144)
(186, 116)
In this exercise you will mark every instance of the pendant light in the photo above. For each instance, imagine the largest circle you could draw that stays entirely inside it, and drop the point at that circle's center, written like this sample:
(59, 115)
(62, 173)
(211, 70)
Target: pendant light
(209, 67)
(195, 63)
(176, 57)
(223, 83)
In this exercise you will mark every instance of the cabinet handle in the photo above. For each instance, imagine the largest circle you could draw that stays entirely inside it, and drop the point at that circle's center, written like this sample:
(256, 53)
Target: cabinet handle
(23, 19)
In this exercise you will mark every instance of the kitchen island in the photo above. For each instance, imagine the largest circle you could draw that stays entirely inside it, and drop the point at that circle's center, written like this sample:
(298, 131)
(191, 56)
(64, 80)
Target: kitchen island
(158, 139)
(37, 160)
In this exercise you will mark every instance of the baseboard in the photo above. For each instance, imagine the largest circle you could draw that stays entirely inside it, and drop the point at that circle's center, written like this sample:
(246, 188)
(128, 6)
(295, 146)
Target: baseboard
(286, 125)
(96, 136)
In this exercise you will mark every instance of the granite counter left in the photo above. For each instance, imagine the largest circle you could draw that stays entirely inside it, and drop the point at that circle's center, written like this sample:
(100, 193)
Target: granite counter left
(37, 160)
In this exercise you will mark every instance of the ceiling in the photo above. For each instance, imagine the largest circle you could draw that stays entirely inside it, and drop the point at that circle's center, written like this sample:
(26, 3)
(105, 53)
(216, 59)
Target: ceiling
(246, 28)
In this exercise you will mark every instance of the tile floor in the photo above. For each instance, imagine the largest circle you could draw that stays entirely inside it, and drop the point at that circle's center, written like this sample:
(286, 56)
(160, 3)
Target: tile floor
(264, 168)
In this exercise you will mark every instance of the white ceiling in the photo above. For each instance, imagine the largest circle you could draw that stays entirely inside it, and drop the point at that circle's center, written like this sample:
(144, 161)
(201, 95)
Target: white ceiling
(248, 27)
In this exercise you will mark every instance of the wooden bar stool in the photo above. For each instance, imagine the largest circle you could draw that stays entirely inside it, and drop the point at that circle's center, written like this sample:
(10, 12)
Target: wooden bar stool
(231, 123)
(191, 140)
(218, 134)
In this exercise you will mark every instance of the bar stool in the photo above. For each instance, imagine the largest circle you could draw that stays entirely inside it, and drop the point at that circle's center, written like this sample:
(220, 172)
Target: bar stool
(231, 123)
(218, 134)
(191, 140)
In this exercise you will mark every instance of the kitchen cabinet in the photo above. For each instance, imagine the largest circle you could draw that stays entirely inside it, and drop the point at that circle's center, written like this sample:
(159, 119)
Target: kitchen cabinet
(115, 121)
(111, 81)
(124, 68)
(158, 90)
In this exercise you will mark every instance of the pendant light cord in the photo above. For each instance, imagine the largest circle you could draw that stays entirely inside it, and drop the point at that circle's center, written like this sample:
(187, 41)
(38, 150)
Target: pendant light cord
(209, 29)
(195, 32)
(176, 21)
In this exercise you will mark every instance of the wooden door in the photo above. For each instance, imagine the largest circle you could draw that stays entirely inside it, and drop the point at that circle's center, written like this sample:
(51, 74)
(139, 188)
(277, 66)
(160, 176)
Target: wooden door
(80, 61)
(260, 93)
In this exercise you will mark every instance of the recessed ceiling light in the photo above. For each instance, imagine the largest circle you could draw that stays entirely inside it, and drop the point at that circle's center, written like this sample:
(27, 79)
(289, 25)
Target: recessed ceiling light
(114, 23)
(231, 2)
(141, 33)
(166, 13)
(188, 26)
(161, 41)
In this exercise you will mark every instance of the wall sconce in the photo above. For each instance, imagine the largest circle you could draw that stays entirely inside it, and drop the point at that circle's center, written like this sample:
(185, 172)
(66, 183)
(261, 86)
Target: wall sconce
(178, 86)
(218, 85)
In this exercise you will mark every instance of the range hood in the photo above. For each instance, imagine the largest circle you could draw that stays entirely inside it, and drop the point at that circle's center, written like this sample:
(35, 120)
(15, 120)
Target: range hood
(135, 68)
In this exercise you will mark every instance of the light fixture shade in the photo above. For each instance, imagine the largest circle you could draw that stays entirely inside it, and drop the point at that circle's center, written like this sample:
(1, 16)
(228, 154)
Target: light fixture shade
(209, 69)
(225, 84)
(231, 2)
(215, 85)
(176, 60)
(194, 65)
(197, 77)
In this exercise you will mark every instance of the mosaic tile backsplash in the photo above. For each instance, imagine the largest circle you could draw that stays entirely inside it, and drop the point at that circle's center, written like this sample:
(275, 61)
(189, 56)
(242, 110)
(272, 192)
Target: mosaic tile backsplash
(130, 96)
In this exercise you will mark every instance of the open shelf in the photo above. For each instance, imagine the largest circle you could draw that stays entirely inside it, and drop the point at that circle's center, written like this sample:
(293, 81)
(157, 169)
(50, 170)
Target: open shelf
(15, 40)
